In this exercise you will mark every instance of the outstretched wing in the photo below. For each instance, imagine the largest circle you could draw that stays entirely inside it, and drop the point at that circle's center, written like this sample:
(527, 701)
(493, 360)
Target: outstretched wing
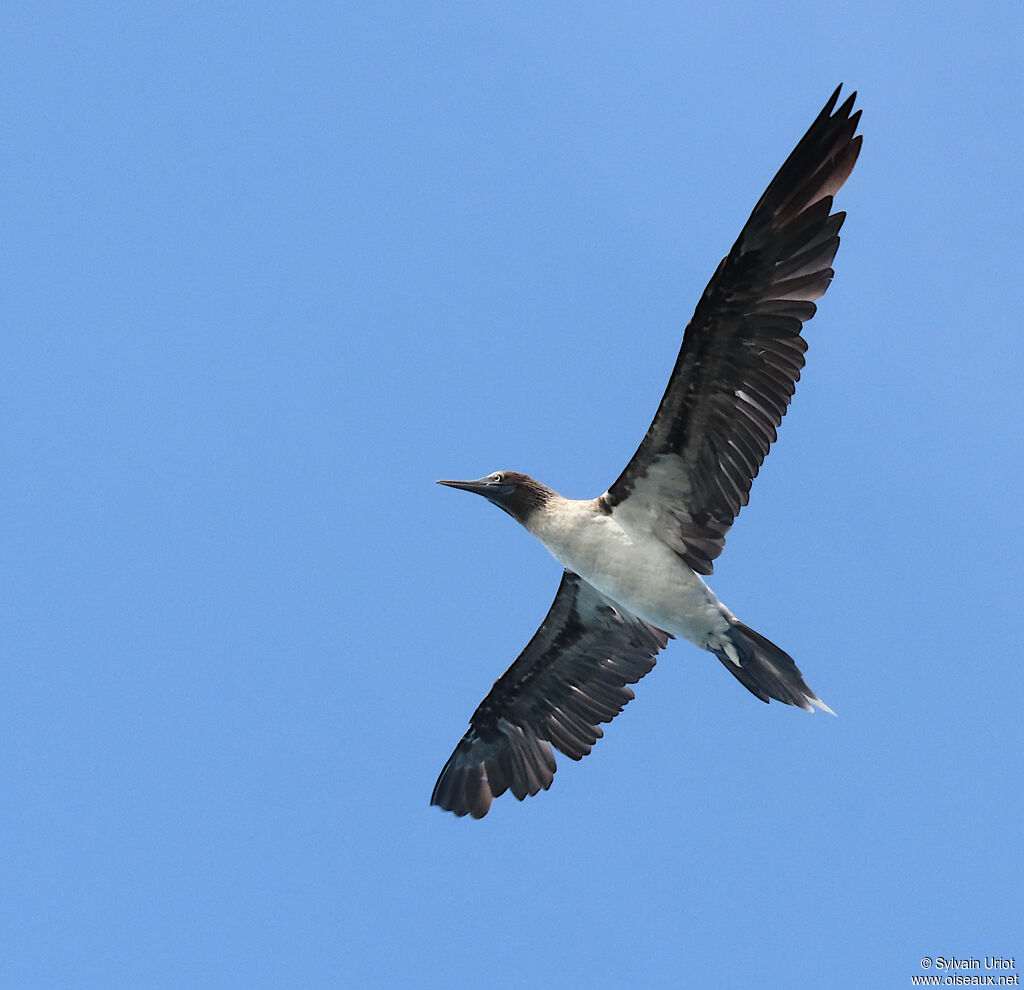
(741, 354)
(571, 677)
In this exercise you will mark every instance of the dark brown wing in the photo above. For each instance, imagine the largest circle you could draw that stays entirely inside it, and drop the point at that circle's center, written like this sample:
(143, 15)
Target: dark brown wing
(571, 677)
(742, 354)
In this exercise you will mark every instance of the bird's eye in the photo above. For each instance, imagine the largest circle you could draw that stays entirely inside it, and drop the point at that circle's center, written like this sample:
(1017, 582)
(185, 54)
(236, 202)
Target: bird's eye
(496, 478)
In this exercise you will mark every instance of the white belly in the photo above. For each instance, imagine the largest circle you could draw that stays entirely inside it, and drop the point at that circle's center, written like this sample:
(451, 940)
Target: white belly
(644, 576)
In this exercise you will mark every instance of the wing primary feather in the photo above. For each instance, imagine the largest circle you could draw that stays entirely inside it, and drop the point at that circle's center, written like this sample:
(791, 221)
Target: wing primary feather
(742, 352)
(570, 678)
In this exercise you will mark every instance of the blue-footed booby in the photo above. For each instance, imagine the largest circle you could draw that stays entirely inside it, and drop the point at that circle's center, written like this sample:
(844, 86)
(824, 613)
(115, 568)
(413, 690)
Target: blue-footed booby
(634, 556)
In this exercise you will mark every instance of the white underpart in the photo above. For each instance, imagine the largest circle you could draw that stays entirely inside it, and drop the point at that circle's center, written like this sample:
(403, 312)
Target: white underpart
(636, 569)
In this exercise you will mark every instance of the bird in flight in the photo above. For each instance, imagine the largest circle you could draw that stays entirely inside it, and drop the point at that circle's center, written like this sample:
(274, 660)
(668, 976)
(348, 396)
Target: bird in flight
(634, 556)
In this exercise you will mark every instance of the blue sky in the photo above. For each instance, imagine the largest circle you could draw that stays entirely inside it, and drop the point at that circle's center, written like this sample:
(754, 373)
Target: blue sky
(269, 271)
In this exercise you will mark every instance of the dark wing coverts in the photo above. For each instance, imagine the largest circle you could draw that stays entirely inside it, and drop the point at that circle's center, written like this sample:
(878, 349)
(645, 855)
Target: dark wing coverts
(742, 353)
(571, 677)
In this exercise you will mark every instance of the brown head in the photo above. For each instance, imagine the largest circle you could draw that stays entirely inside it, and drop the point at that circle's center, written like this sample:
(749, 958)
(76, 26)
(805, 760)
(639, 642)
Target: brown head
(517, 494)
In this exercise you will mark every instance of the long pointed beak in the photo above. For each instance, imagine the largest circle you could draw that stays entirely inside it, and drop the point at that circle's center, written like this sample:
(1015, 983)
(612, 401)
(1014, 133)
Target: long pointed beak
(482, 486)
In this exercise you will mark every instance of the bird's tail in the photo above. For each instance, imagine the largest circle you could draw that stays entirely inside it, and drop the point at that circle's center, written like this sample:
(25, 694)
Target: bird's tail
(766, 671)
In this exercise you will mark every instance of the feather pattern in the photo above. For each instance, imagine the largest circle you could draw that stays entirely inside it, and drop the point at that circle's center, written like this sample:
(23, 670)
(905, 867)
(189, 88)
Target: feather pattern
(571, 677)
(742, 354)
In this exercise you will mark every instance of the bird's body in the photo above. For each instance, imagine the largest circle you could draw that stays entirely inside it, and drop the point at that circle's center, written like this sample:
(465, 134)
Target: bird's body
(634, 557)
(632, 567)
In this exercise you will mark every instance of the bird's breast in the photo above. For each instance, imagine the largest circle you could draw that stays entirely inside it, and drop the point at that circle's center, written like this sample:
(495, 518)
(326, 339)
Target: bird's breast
(640, 572)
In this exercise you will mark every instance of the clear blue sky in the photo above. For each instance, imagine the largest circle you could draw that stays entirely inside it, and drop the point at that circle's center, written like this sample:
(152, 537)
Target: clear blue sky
(270, 270)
